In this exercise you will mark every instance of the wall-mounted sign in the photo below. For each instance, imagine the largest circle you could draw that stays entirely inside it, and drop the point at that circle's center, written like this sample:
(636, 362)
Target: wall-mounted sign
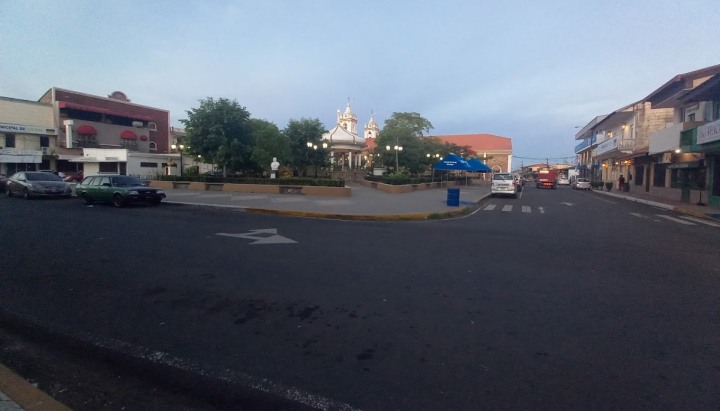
(709, 132)
(23, 129)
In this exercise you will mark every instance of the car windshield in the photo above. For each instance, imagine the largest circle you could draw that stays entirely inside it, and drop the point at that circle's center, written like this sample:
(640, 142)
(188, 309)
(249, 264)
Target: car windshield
(582, 180)
(126, 181)
(39, 176)
(503, 177)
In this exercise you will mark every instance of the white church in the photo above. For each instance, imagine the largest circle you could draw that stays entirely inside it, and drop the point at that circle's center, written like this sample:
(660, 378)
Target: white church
(348, 149)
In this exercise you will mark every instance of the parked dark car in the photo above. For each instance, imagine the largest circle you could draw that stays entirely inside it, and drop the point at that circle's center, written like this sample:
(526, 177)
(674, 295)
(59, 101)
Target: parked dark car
(3, 183)
(118, 190)
(30, 184)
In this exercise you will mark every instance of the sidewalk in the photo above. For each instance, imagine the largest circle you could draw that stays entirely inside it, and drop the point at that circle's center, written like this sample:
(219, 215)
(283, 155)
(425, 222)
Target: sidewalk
(370, 204)
(17, 394)
(364, 204)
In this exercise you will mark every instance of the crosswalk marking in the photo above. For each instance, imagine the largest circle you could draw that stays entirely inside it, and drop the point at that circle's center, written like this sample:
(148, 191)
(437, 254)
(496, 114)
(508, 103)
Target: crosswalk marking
(701, 221)
(677, 220)
(509, 207)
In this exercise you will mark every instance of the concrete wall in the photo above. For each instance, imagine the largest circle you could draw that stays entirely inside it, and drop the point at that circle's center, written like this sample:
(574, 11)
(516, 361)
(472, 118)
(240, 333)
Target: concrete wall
(26, 113)
(254, 188)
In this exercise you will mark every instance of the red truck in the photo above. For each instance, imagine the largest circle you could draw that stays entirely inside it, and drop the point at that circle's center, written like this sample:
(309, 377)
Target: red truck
(547, 178)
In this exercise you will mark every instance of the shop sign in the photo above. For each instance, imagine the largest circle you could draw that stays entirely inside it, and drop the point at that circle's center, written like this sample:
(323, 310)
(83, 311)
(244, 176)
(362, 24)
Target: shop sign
(17, 152)
(709, 132)
(22, 129)
(607, 145)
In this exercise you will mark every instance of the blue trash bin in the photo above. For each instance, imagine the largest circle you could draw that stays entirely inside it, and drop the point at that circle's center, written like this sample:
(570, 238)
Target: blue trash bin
(453, 197)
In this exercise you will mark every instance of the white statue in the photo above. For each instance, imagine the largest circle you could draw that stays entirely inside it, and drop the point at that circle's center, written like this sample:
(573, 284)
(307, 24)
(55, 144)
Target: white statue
(274, 166)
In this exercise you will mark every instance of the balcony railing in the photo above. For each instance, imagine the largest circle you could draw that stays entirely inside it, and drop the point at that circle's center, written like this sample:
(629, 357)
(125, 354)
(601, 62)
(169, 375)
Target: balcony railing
(626, 144)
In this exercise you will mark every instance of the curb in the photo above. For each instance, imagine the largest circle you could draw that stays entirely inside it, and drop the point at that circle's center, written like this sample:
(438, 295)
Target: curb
(223, 386)
(668, 207)
(26, 395)
(439, 215)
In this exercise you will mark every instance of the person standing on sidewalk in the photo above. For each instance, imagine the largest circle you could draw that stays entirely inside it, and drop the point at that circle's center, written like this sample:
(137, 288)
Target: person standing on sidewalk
(621, 183)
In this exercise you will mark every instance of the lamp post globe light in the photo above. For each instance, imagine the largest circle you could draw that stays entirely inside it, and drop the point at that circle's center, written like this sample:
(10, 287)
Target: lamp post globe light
(396, 149)
(179, 148)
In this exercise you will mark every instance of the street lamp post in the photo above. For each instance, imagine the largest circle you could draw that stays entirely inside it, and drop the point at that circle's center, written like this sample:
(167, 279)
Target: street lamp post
(396, 149)
(432, 157)
(313, 154)
(179, 147)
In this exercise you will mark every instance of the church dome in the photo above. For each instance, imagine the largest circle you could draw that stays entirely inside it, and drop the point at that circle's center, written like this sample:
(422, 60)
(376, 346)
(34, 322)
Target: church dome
(339, 135)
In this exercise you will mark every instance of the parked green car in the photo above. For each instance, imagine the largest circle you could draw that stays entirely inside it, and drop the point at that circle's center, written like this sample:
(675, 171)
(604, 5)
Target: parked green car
(118, 190)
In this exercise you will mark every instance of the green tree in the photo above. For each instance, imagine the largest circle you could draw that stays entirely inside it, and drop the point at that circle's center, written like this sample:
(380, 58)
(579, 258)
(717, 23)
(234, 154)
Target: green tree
(269, 142)
(301, 132)
(404, 130)
(220, 131)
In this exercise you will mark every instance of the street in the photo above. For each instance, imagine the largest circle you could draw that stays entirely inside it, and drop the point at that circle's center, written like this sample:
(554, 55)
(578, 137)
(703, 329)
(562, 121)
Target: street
(559, 299)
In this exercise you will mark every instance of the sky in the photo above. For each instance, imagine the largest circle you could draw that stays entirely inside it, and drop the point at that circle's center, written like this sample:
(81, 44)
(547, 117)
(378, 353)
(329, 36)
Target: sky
(533, 71)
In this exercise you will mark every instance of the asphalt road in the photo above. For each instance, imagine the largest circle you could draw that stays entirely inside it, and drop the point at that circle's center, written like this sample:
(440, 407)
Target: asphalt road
(556, 300)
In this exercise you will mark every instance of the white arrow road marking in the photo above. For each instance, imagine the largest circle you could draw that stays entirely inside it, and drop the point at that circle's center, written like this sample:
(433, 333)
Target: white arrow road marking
(677, 220)
(568, 204)
(262, 236)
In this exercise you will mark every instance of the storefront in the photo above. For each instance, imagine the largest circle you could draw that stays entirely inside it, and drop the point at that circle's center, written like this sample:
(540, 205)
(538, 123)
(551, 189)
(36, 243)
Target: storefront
(25, 148)
(708, 143)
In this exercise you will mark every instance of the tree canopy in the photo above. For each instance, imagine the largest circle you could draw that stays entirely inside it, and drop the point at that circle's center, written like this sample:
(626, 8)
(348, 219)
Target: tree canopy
(221, 132)
(269, 142)
(404, 130)
(301, 132)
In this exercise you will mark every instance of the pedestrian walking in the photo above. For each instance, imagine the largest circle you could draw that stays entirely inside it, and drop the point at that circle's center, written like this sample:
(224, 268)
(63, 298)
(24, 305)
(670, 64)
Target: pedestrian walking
(621, 183)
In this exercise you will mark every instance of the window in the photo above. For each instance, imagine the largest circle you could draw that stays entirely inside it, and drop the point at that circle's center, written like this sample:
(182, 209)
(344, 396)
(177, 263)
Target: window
(102, 180)
(10, 140)
(659, 175)
(108, 168)
(639, 174)
(152, 145)
(148, 165)
(152, 126)
(44, 141)
(86, 141)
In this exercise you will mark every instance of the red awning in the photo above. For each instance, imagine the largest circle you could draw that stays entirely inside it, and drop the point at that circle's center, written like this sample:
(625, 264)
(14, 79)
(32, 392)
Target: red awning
(128, 135)
(65, 104)
(143, 137)
(86, 129)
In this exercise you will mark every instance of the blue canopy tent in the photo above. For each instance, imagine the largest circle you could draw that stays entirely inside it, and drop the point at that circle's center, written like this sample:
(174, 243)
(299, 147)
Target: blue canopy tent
(452, 162)
(479, 166)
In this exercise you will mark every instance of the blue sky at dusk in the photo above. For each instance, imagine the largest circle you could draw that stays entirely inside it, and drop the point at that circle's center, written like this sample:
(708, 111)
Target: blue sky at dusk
(528, 70)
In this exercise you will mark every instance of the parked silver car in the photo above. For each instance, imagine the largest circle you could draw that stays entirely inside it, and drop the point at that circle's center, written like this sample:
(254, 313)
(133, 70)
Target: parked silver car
(29, 184)
(581, 184)
(503, 184)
